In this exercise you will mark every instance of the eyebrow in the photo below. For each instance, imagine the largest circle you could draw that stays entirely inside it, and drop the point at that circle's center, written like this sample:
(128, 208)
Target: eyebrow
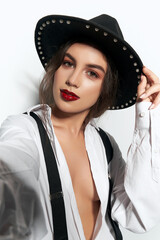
(70, 56)
(88, 65)
(96, 66)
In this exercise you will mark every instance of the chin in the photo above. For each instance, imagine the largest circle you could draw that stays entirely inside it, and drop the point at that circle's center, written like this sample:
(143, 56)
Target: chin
(70, 109)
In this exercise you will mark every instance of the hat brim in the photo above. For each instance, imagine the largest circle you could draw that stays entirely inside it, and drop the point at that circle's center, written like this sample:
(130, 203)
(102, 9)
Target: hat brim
(54, 30)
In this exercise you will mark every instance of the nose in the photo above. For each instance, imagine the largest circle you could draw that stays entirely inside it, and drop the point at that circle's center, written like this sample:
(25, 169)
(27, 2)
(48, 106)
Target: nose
(73, 79)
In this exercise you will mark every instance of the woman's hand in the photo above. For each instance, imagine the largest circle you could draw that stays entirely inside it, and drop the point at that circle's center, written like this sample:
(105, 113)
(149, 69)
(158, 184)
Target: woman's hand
(149, 88)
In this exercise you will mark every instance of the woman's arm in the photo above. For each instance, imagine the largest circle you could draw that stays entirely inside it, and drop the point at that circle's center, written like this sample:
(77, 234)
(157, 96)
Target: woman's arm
(136, 191)
(21, 213)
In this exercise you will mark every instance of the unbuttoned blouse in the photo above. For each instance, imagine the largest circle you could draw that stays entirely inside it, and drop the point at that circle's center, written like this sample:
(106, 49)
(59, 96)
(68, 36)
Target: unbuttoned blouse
(25, 208)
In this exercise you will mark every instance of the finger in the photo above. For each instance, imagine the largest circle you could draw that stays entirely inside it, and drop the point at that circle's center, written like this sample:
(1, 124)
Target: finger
(142, 86)
(156, 102)
(150, 91)
(150, 75)
(148, 86)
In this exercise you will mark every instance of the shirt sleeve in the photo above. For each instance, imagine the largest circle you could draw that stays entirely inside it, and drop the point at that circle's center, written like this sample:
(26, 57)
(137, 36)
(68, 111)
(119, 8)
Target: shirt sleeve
(136, 183)
(21, 213)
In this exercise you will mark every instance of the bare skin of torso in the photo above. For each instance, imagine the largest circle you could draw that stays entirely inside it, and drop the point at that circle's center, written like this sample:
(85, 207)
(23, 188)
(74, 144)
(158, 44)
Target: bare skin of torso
(84, 188)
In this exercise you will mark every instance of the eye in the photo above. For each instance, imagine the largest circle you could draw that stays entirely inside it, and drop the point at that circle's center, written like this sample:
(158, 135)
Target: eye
(68, 63)
(92, 74)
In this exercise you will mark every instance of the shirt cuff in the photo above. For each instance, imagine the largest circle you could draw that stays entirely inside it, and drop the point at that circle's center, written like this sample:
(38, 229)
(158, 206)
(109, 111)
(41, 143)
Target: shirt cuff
(142, 115)
(150, 120)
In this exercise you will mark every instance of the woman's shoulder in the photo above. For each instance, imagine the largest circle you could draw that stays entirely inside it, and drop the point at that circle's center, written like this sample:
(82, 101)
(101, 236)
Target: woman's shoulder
(17, 121)
(21, 122)
(24, 120)
(17, 125)
(95, 129)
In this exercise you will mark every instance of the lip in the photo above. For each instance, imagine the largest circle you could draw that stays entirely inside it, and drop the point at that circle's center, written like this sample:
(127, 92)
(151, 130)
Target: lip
(68, 96)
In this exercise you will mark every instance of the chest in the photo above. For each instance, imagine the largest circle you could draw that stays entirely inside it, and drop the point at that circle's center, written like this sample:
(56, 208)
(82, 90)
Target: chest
(80, 170)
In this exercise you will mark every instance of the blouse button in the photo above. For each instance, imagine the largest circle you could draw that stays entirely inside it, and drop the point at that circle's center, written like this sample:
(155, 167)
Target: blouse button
(142, 114)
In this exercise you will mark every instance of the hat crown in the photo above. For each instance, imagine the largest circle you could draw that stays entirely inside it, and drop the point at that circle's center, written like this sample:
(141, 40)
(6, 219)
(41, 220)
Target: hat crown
(109, 23)
(54, 30)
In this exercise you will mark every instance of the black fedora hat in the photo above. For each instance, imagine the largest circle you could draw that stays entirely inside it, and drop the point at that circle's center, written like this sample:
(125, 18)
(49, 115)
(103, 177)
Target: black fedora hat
(54, 30)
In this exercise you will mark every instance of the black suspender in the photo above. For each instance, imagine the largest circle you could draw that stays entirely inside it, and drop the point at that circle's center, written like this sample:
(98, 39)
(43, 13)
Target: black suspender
(109, 154)
(56, 194)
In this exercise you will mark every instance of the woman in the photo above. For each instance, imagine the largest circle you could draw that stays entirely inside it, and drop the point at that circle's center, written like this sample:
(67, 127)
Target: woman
(89, 69)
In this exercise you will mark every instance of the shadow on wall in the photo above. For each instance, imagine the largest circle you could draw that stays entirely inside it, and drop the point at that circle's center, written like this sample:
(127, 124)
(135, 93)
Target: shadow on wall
(28, 90)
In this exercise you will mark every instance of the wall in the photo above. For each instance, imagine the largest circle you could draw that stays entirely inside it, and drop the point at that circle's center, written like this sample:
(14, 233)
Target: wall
(21, 70)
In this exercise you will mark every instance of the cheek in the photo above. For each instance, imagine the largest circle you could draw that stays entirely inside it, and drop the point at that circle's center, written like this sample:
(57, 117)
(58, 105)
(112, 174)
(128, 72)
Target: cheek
(93, 92)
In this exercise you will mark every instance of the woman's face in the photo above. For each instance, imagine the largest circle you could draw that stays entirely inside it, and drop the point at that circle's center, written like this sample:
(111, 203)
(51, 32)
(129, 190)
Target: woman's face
(78, 81)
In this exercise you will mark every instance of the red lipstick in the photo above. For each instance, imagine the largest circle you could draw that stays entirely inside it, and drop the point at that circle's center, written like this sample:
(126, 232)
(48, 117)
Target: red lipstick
(68, 96)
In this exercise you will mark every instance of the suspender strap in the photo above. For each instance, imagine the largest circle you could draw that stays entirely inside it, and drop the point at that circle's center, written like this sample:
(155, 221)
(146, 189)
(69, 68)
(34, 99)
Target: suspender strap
(56, 195)
(107, 145)
(109, 154)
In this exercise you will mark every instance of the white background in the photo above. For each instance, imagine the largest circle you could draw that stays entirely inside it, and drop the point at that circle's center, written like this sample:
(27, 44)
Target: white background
(21, 70)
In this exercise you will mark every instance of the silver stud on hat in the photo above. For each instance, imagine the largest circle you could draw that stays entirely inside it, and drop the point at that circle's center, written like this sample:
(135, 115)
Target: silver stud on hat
(128, 54)
(68, 22)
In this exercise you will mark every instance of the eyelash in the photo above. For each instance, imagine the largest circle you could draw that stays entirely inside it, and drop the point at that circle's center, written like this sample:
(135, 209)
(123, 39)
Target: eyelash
(93, 74)
(69, 64)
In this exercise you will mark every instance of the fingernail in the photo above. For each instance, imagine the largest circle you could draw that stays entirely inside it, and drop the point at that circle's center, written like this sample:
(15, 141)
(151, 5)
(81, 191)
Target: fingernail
(143, 95)
(152, 106)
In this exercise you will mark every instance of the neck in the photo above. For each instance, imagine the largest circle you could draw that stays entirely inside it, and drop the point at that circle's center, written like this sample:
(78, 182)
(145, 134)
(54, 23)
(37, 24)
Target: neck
(73, 123)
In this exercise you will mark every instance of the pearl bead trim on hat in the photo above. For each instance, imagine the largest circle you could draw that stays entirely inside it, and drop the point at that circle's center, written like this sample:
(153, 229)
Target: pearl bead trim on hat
(61, 21)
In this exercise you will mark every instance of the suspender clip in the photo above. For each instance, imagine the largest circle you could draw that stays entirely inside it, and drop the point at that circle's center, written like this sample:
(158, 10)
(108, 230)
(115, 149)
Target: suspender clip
(56, 195)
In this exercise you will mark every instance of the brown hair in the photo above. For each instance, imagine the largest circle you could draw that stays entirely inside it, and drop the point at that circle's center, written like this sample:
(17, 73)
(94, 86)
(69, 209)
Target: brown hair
(109, 88)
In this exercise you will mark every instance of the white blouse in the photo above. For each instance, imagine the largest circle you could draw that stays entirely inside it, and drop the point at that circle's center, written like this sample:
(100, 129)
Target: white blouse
(25, 210)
